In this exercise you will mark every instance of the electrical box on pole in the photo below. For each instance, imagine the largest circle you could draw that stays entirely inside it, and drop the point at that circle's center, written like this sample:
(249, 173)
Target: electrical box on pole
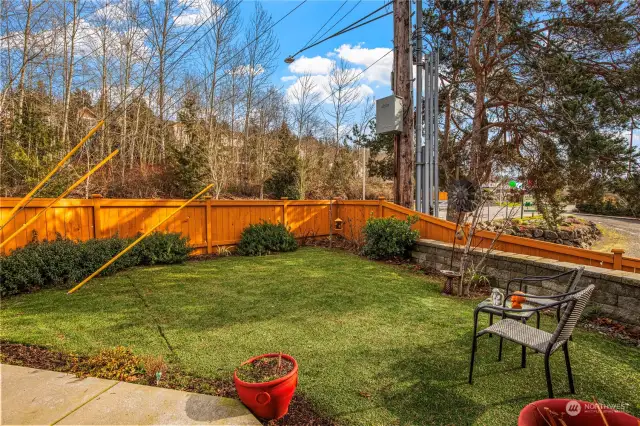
(389, 115)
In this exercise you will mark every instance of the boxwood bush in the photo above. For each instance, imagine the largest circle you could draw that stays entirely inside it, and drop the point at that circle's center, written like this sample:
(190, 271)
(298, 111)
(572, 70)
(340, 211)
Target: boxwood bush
(62, 262)
(389, 237)
(264, 238)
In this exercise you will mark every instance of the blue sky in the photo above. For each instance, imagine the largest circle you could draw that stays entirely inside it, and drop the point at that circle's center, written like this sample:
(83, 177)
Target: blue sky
(359, 48)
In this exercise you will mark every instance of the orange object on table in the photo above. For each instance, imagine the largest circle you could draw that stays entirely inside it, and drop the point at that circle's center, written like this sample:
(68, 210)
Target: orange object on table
(517, 300)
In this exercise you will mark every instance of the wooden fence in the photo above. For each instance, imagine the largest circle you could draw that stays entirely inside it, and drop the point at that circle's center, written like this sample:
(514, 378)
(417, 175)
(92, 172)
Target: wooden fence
(212, 223)
(207, 224)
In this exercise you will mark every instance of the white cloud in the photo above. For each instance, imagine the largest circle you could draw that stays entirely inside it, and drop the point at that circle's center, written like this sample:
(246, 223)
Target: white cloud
(321, 87)
(316, 65)
(195, 12)
(380, 72)
(365, 91)
(288, 78)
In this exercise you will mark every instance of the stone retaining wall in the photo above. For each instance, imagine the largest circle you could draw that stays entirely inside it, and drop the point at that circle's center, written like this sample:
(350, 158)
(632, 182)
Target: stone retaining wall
(617, 293)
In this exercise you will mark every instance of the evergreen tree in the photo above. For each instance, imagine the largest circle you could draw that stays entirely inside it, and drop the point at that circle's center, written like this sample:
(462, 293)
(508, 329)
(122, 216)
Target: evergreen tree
(285, 167)
(186, 167)
(380, 147)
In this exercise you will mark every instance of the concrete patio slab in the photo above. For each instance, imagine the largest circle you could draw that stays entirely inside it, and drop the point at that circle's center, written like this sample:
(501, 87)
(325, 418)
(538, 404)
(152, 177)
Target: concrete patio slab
(32, 396)
(127, 403)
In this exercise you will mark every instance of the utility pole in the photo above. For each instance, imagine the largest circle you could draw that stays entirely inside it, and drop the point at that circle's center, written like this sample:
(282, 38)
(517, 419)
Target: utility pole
(403, 144)
(420, 166)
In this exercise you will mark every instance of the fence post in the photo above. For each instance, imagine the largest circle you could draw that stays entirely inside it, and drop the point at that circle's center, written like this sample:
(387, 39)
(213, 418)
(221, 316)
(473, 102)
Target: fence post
(97, 222)
(617, 258)
(207, 222)
(284, 210)
(380, 205)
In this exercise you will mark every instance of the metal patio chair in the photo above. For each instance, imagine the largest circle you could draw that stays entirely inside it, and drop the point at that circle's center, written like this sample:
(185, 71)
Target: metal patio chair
(572, 283)
(536, 339)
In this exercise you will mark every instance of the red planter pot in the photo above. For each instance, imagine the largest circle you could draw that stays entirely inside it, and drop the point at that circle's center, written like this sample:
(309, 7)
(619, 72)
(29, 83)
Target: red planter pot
(574, 413)
(269, 400)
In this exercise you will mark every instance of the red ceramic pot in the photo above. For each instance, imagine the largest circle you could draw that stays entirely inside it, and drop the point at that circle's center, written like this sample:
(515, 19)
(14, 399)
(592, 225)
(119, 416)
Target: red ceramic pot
(269, 400)
(573, 413)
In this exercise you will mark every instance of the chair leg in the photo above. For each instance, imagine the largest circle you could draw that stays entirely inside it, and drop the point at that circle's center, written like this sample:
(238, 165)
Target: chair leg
(473, 345)
(500, 350)
(547, 371)
(538, 320)
(523, 361)
(473, 357)
(490, 322)
(565, 349)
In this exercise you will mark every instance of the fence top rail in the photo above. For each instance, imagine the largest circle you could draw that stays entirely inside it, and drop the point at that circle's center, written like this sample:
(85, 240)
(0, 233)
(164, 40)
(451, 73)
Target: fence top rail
(7, 202)
(358, 202)
(545, 245)
(631, 260)
(423, 216)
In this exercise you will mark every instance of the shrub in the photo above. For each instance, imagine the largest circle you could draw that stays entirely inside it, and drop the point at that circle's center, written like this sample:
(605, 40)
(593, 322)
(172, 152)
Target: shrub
(388, 237)
(51, 263)
(607, 208)
(265, 238)
(162, 248)
(118, 363)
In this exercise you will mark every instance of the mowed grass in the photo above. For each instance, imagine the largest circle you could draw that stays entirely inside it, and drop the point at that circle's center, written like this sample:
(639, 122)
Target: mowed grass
(376, 344)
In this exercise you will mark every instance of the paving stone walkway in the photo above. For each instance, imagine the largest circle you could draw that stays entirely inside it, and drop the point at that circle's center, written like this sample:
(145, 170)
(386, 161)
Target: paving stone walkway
(32, 396)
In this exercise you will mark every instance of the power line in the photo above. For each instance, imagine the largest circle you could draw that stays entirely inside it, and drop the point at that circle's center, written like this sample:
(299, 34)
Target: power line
(326, 22)
(346, 29)
(351, 80)
(340, 20)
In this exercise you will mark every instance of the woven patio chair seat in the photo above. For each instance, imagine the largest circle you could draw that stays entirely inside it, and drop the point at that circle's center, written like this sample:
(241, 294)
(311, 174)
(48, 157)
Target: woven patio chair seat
(523, 334)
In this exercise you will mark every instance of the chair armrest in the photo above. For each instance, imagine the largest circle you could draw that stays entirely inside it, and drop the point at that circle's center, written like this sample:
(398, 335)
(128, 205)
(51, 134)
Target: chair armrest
(534, 296)
(535, 278)
(504, 309)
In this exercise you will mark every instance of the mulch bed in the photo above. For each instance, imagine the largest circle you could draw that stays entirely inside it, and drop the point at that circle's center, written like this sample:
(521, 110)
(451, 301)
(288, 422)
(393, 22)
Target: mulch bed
(300, 411)
(611, 328)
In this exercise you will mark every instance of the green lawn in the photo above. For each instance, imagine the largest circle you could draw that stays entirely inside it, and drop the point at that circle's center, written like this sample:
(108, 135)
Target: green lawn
(376, 344)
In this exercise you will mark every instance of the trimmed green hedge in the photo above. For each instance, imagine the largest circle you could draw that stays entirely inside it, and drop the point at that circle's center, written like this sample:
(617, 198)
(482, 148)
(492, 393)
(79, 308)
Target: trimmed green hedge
(63, 262)
(265, 238)
(389, 237)
(606, 208)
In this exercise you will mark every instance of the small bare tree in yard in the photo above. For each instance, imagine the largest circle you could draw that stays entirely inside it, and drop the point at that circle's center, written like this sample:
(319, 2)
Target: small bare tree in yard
(164, 34)
(469, 270)
(345, 96)
(305, 98)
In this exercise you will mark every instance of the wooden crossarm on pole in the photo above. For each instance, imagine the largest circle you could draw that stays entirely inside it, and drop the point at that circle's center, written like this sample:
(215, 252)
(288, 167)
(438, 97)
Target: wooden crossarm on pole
(27, 197)
(142, 237)
(64, 194)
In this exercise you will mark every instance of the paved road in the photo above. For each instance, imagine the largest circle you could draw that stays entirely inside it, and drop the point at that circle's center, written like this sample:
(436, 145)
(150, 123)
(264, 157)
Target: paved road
(617, 232)
(490, 212)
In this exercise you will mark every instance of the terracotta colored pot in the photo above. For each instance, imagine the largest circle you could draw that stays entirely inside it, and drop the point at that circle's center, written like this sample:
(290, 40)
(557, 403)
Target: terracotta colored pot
(573, 413)
(269, 400)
